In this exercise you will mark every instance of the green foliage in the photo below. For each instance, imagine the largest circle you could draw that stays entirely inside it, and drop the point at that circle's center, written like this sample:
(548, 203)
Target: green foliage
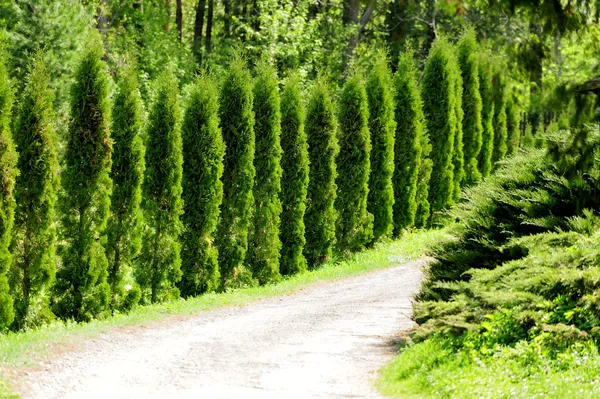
(203, 151)
(33, 245)
(487, 116)
(264, 247)
(295, 165)
(423, 207)
(125, 224)
(81, 290)
(408, 157)
(8, 175)
(513, 126)
(237, 124)
(322, 150)
(439, 105)
(458, 159)
(354, 226)
(527, 140)
(159, 266)
(499, 120)
(471, 105)
(382, 126)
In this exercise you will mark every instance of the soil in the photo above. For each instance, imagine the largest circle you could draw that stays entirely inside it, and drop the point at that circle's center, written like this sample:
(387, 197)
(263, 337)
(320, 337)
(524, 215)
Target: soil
(325, 341)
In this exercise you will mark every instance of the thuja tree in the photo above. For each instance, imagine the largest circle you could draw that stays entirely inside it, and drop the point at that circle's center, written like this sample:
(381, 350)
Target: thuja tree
(423, 208)
(513, 126)
(354, 226)
(160, 263)
(8, 174)
(458, 154)
(203, 152)
(295, 165)
(439, 100)
(237, 125)
(471, 105)
(484, 159)
(322, 190)
(81, 290)
(380, 95)
(36, 190)
(410, 130)
(125, 224)
(264, 243)
(499, 120)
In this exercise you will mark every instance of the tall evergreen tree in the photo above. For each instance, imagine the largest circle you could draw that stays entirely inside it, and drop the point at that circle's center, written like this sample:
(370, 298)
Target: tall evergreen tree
(458, 154)
(423, 208)
(125, 224)
(499, 120)
(472, 106)
(237, 124)
(513, 125)
(295, 165)
(81, 290)
(160, 261)
(439, 100)
(487, 115)
(8, 174)
(264, 246)
(322, 150)
(382, 126)
(354, 227)
(203, 152)
(408, 144)
(36, 190)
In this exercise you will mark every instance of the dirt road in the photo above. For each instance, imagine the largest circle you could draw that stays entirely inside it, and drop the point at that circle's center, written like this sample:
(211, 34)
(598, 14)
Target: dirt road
(326, 341)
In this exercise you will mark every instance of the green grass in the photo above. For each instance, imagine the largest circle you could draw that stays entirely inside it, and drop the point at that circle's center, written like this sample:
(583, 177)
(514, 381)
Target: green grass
(23, 349)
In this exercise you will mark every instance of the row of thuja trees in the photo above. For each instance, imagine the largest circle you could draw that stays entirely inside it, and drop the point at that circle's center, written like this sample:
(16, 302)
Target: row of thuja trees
(244, 185)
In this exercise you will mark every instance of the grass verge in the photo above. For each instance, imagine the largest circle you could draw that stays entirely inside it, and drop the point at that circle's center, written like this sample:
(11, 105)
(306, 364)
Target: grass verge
(25, 349)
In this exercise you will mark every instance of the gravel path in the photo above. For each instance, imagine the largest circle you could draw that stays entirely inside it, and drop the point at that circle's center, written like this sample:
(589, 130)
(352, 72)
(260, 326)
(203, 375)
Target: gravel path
(326, 341)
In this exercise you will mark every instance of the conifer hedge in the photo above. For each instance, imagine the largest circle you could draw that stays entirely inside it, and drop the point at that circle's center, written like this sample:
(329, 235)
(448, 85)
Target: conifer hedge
(295, 165)
(354, 226)
(160, 263)
(410, 130)
(423, 208)
(382, 126)
(237, 125)
(125, 224)
(471, 105)
(81, 290)
(458, 154)
(513, 126)
(499, 120)
(264, 246)
(439, 106)
(203, 152)
(484, 159)
(8, 174)
(36, 190)
(323, 148)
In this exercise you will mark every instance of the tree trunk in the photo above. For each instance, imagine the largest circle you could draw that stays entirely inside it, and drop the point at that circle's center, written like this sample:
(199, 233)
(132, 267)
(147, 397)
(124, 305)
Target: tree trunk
(227, 18)
(179, 19)
(350, 19)
(167, 25)
(198, 27)
(209, 25)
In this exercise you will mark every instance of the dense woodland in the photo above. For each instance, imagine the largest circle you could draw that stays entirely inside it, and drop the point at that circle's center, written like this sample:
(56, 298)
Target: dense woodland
(152, 150)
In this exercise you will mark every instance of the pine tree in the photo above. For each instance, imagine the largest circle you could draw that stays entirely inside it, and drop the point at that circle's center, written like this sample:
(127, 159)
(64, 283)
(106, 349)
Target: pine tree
(408, 146)
(472, 106)
(322, 150)
(203, 152)
(125, 224)
(513, 125)
(8, 174)
(382, 126)
(354, 227)
(81, 291)
(499, 120)
(484, 159)
(160, 262)
(237, 125)
(295, 165)
(458, 154)
(264, 247)
(439, 100)
(33, 245)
